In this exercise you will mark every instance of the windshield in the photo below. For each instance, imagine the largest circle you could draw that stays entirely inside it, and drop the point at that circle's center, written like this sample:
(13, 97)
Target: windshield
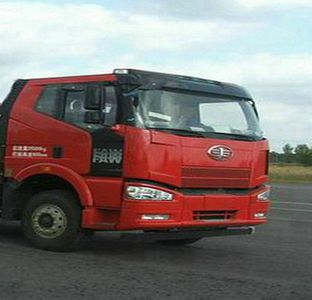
(199, 115)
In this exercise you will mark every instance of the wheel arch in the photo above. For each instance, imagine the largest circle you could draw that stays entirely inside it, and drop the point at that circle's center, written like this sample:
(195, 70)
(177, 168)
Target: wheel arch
(54, 176)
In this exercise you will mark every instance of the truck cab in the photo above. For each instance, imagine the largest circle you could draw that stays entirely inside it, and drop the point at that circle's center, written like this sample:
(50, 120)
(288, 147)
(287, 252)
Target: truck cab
(176, 158)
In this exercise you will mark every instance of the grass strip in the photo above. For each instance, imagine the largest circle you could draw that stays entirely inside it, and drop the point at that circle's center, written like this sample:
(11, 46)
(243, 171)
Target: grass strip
(290, 174)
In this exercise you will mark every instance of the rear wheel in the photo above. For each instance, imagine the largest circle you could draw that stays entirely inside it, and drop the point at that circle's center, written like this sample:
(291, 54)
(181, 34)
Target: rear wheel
(51, 220)
(179, 242)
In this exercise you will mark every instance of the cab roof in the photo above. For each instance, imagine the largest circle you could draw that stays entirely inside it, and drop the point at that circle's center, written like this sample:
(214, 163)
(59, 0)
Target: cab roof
(156, 80)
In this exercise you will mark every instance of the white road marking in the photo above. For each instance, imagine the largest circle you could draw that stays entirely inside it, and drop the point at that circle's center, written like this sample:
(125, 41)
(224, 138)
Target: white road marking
(299, 203)
(292, 209)
(289, 220)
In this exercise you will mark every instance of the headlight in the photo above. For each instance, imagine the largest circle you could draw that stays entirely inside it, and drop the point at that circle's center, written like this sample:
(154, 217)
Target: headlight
(146, 193)
(264, 196)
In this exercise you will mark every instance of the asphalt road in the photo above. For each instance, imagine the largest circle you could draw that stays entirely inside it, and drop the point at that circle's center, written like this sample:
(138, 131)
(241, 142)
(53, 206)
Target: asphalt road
(275, 263)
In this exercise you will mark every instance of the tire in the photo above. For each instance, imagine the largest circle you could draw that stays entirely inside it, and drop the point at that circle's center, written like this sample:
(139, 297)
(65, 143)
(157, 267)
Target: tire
(52, 220)
(179, 242)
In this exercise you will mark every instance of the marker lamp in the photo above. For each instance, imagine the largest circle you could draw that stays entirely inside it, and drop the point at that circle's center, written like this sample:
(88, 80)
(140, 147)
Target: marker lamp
(260, 215)
(146, 193)
(121, 71)
(264, 196)
(155, 217)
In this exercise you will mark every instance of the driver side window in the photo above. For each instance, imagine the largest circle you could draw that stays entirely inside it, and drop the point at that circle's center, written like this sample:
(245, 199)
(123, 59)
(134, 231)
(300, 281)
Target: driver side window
(69, 102)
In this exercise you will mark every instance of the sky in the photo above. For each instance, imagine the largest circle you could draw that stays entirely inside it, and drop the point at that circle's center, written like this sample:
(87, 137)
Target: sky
(264, 45)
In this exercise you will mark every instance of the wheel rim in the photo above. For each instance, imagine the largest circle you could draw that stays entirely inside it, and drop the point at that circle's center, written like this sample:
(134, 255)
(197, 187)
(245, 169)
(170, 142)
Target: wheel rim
(49, 221)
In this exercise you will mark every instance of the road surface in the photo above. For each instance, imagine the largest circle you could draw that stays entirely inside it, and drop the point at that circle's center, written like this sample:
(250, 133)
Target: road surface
(276, 263)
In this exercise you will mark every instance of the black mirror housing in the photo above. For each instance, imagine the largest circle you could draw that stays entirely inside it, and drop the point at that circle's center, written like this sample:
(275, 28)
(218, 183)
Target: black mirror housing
(92, 117)
(93, 99)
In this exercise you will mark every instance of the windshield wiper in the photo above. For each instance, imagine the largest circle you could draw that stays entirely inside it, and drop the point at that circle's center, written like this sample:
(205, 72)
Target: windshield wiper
(184, 132)
(233, 136)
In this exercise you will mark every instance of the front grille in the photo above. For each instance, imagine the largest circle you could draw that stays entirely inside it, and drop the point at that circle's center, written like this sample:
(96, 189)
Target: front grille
(216, 191)
(199, 177)
(214, 215)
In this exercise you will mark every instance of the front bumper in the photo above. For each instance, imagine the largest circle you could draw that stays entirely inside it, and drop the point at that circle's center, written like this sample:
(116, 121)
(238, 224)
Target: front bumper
(190, 211)
(162, 235)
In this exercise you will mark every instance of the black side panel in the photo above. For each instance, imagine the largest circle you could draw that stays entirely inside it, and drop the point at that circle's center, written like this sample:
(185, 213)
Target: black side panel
(107, 153)
(5, 110)
(12, 201)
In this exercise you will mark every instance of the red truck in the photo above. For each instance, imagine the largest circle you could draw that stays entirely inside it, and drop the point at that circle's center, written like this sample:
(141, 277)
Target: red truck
(157, 156)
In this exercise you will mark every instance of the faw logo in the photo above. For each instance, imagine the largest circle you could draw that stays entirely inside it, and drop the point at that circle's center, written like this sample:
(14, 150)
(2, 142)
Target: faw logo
(220, 153)
(107, 156)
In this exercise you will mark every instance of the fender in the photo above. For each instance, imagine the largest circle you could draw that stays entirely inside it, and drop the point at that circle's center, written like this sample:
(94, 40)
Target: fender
(65, 173)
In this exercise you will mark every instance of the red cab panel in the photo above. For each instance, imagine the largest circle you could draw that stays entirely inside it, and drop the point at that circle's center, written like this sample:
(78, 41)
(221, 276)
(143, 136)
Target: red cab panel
(184, 161)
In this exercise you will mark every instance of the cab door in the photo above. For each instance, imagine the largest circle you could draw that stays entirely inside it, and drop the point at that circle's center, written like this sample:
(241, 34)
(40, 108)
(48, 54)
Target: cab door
(48, 124)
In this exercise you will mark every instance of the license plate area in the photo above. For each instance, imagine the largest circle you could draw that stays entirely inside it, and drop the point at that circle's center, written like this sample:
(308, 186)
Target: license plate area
(214, 215)
(217, 208)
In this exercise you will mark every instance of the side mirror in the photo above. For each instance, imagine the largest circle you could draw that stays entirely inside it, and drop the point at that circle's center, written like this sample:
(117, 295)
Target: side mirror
(92, 117)
(93, 99)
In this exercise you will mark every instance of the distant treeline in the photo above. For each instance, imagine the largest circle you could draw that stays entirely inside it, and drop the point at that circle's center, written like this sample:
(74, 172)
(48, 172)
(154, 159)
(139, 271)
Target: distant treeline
(301, 154)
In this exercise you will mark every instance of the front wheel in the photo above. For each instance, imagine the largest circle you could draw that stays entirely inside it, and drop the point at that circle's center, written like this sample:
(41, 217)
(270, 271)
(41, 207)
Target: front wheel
(51, 220)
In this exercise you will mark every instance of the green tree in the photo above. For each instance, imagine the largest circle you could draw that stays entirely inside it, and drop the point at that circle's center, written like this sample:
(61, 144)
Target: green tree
(276, 157)
(288, 153)
(304, 155)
